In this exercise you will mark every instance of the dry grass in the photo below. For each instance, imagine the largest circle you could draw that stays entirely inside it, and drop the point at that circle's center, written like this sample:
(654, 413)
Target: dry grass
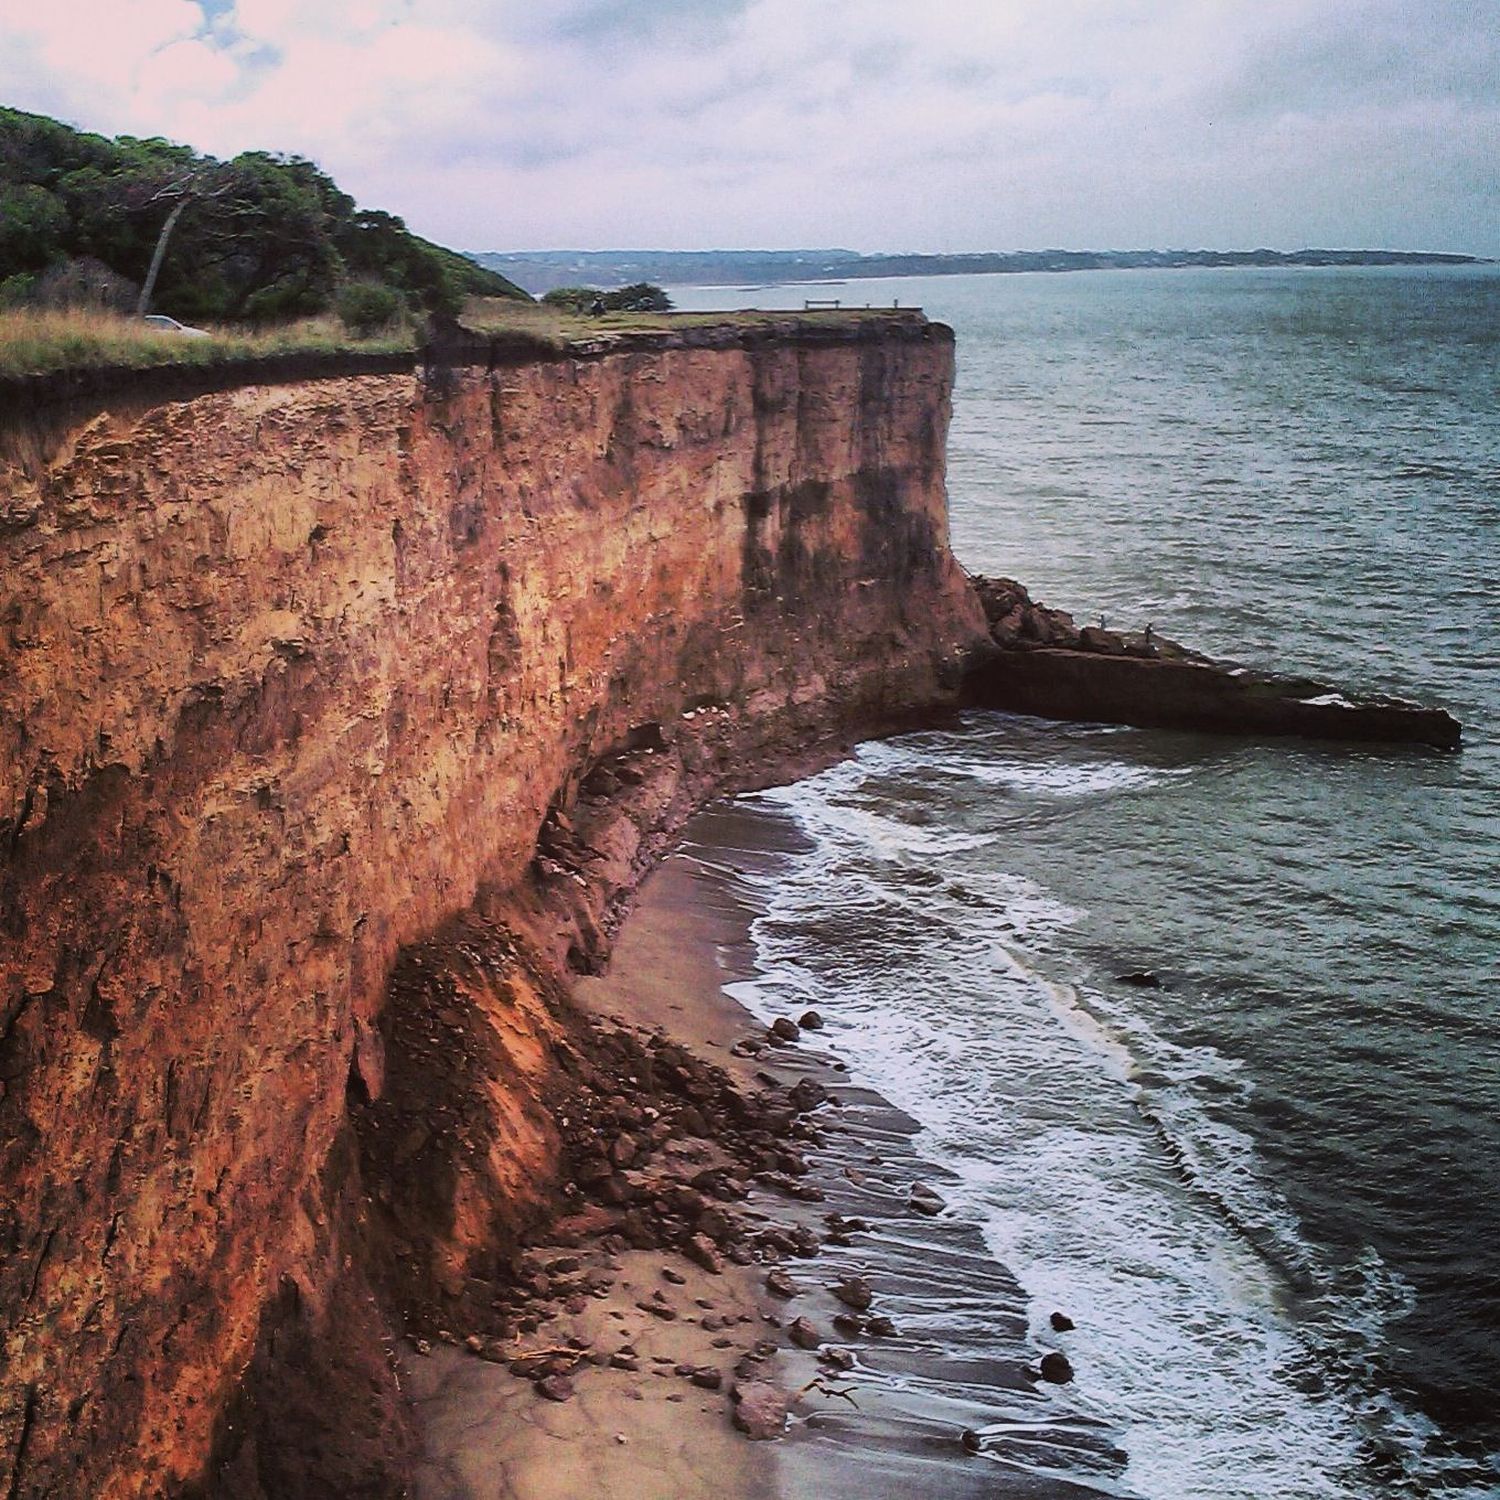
(38, 342)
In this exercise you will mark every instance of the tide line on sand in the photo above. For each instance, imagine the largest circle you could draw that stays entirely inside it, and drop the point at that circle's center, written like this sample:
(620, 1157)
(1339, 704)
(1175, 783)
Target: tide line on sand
(930, 1394)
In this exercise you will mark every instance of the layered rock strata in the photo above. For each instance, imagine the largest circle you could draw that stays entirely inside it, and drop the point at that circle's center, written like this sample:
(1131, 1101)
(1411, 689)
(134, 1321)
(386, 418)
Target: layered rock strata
(337, 718)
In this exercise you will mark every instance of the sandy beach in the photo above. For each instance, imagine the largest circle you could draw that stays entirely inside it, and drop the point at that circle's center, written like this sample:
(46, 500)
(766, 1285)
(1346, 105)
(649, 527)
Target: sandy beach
(644, 1432)
(882, 1400)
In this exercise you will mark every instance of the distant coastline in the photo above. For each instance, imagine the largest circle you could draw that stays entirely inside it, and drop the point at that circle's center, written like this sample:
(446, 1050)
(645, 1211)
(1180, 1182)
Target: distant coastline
(542, 270)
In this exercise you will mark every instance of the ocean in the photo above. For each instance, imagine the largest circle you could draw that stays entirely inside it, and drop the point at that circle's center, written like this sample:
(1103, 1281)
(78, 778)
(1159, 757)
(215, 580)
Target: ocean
(1268, 1191)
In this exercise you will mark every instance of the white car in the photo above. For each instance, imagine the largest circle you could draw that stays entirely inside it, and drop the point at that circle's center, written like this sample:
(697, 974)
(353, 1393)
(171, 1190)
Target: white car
(163, 324)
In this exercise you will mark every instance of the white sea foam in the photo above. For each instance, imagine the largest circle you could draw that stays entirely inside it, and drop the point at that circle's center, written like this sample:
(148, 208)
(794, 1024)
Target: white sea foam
(1063, 779)
(1082, 1143)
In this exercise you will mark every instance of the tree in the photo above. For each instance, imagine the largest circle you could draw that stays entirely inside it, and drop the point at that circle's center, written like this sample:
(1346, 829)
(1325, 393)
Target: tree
(257, 238)
(640, 296)
(33, 227)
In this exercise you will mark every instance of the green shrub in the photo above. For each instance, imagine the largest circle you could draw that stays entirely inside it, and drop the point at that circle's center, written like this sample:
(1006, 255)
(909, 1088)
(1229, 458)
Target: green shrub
(17, 290)
(364, 308)
(570, 298)
(639, 296)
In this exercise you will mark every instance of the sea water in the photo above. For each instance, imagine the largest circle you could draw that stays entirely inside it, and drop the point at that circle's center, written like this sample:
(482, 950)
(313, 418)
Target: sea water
(1268, 1191)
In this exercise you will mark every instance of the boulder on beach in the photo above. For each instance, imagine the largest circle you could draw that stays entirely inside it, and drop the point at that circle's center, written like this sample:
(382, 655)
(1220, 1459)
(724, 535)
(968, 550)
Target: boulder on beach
(853, 1291)
(701, 1251)
(779, 1284)
(803, 1334)
(1061, 1323)
(760, 1410)
(926, 1200)
(1055, 1367)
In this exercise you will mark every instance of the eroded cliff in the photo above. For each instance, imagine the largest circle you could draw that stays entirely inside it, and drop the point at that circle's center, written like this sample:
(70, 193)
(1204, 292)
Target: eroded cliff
(293, 678)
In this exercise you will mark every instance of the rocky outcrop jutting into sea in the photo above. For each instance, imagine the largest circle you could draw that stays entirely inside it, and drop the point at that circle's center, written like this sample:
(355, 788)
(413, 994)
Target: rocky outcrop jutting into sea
(290, 677)
(1043, 663)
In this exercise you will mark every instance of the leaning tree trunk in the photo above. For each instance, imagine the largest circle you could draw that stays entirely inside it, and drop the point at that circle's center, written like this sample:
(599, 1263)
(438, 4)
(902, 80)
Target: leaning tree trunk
(143, 306)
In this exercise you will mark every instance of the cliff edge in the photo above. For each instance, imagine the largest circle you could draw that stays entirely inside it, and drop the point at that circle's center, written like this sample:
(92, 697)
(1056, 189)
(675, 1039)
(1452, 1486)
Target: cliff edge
(295, 677)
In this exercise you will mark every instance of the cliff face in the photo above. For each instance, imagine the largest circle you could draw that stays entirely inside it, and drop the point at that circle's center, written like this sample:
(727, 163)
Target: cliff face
(288, 677)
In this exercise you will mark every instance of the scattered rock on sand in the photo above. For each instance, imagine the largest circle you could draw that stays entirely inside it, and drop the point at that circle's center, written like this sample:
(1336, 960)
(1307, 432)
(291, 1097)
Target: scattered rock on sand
(810, 1020)
(700, 1250)
(1055, 1367)
(881, 1327)
(760, 1410)
(1142, 979)
(806, 1094)
(1061, 1323)
(972, 1443)
(555, 1388)
(716, 1225)
(836, 1358)
(803, 1334)
(838, 1223)
(785, 1029)
(925, 1200)
(779, 1284)
(853, 1291)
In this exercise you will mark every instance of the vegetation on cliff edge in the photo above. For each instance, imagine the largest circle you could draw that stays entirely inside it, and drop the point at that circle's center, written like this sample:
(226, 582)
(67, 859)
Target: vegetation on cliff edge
(93, 222)
(639, 296)
(38, 342)
(41, 341)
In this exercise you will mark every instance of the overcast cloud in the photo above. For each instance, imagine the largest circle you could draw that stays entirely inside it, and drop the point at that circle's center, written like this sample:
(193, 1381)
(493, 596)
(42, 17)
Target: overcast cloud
(872, 124)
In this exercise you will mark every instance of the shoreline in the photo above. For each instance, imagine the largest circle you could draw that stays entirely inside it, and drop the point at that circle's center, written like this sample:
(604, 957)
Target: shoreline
(926, 1395)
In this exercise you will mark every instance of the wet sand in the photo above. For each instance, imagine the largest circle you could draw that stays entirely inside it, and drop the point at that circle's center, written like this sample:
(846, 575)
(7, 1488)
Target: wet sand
(890, 1425)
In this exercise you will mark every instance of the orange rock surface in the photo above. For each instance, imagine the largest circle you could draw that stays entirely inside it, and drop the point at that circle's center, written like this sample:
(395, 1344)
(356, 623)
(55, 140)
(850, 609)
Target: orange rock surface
(289, 677)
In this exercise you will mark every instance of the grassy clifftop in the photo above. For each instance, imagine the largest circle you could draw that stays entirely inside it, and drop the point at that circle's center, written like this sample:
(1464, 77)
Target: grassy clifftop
(38, 343)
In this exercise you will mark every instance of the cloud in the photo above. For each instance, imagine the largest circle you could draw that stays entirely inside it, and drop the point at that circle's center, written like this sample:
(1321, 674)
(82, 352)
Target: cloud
(874, 123)
(85, 56)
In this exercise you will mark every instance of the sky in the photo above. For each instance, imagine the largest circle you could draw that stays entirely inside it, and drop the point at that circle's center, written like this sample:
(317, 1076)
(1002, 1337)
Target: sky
(875, 125)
